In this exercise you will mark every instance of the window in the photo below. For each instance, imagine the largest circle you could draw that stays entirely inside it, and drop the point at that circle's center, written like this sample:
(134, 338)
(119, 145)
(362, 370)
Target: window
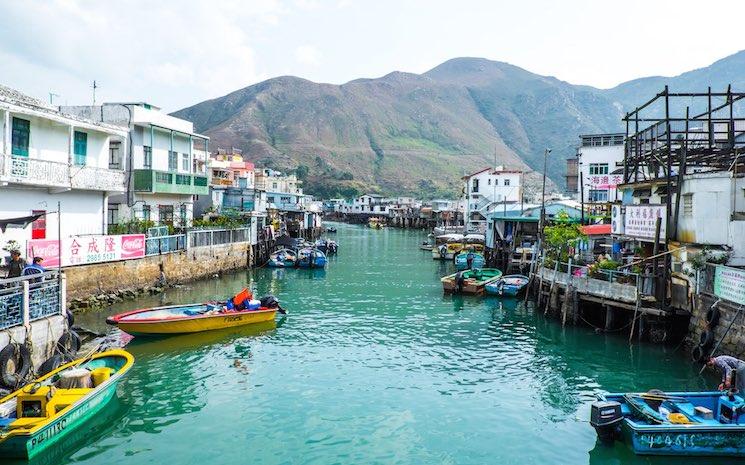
(147, 157)
(598, 195)
(172, 160)
(20, 137)
(688, 205)
(598, 168)
(146, 212)
(506, 182)
(182, 215)
(165, 214)
(475, 185)
(115, 155)
(270, 199)
(112, 214)
(488, 182)
(185, 165)
(80, 147)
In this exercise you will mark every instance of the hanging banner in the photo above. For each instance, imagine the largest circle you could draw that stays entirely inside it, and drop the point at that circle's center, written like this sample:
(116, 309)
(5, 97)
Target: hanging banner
(729, 284)
(640, 221)
(84, 250)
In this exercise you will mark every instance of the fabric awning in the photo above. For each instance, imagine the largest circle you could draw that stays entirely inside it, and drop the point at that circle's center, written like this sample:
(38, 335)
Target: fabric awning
(19, 222)
(596, 229)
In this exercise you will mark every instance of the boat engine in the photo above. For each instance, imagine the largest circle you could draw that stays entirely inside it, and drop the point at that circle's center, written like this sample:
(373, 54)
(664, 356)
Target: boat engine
(606, 417)
(269, 301)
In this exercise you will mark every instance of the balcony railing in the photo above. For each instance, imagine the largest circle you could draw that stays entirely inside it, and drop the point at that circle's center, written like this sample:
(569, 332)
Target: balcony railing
(37, 172)
(164, 182)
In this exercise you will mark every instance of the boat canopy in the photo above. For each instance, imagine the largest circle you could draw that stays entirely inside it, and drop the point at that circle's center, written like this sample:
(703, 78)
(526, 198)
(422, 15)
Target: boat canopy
(475, 238)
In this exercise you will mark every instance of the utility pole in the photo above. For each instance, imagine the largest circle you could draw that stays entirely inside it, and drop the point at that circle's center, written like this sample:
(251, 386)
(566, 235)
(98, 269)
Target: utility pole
(95, 86)
(543, 193)
(51, 97)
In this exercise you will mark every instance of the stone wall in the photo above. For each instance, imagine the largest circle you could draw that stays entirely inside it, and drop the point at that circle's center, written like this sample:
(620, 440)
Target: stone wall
(734, 341)
(178, 267)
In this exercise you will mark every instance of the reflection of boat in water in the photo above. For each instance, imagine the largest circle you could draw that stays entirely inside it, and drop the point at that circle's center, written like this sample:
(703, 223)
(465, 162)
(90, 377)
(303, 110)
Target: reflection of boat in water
(679, 423)
(447, 246)
(470, 281)
(283, 258)
(311, 258)
(41, 414)
(240, 310)
(477, 260)
(510, 285)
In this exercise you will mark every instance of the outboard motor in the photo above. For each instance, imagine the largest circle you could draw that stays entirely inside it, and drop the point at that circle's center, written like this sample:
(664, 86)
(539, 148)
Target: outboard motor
(605, 417)
(269, 301)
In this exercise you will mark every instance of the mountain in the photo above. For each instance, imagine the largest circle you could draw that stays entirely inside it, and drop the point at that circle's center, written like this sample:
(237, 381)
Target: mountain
(418, 134)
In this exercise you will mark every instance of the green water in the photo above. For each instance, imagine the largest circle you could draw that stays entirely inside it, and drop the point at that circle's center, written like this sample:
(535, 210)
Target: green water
(372, 366)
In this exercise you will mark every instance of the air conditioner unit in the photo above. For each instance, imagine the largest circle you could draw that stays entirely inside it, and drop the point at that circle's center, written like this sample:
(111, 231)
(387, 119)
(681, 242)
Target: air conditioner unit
(616, 219)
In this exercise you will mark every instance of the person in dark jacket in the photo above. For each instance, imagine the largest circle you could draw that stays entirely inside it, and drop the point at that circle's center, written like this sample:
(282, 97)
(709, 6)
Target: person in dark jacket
(16, 264)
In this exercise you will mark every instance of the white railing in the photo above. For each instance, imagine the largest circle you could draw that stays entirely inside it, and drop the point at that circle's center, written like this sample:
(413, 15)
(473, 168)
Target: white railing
(34, 171)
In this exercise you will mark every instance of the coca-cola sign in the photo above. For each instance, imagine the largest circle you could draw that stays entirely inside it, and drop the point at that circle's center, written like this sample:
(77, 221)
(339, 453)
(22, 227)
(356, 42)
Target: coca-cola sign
(83, 250)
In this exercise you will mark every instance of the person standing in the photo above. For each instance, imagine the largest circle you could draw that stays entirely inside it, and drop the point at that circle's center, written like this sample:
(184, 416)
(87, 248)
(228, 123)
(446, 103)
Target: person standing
(730, 367)
(34, 268)
(16, 264)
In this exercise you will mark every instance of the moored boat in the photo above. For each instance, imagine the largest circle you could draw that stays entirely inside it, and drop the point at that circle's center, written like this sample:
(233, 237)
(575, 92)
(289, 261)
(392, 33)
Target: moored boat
(178, 319)
(470, 281)
(510, 285)
(283, 258)
(678, 423)
(311, 258)
(447, 246)
(41, 414)
(327, 246)
(331, 230)
(375, 223)
(477, 260)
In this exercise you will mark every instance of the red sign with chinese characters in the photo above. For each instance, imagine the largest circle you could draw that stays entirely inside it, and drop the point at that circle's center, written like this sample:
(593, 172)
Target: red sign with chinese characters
(83, 250)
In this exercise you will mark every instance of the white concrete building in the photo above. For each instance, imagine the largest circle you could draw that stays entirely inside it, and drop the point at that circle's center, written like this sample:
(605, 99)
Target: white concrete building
(167, 163)
(597, 168)
(488, 186)
(47, 157)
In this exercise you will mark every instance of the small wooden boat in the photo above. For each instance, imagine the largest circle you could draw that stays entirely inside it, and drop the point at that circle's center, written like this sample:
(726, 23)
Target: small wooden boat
(283, 258)
(331, 230)
(311, 258)
(461, 260)
(178, 319)
(447, 246)
(376, 223)
(510, 285)
(41, 414)
(679, 423)
(327, 246)
(426, 246)
(470, 281)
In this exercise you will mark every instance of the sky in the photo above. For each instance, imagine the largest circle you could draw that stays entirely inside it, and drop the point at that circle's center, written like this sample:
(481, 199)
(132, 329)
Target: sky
(177, 53)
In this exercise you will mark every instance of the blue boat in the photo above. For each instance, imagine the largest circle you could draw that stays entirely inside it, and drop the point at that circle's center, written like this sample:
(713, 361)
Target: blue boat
(510, 285)
(311, 258)
(461, 260)
(679, 423)
(283, 258)
(327, 246)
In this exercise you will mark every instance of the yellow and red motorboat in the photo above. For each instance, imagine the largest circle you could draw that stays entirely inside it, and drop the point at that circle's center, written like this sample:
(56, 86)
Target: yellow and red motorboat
(192, 318)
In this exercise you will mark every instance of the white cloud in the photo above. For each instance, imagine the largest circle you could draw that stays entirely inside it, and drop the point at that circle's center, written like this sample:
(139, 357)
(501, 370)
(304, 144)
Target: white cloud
(308, 55)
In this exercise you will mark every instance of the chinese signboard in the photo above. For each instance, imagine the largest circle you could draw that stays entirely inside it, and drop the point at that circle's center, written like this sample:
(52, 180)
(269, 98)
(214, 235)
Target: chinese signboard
(640, 221)
(729, 284)
(603, 181)
(83, 250)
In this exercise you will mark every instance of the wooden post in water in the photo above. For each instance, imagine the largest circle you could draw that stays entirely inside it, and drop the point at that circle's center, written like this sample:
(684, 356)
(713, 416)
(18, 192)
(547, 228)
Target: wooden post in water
(638, 304)
(551, 288)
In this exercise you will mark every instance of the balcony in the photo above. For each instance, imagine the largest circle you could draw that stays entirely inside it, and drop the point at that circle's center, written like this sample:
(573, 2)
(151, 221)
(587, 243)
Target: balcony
(57, 175)
(163, 182)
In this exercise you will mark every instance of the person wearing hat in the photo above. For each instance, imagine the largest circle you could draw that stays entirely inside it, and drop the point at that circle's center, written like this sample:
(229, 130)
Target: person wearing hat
(34, 268)
(16, 264)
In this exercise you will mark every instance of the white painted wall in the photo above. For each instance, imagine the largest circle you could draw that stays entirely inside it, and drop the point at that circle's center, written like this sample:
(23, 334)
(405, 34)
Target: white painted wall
(83, 212)
(610, 155)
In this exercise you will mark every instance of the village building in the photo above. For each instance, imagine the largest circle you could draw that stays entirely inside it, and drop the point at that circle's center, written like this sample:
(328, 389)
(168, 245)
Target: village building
(594, 173)
(166, 163)
(46, 157)
(486, 187)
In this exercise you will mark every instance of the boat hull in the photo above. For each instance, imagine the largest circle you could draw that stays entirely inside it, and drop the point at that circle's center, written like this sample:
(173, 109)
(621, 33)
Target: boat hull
(196, 324)
(470, 285)
(686, 441)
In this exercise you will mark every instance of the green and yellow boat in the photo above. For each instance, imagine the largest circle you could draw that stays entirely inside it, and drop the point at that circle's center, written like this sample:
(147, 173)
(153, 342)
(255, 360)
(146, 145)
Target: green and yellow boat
(470, 281)
(40, 414)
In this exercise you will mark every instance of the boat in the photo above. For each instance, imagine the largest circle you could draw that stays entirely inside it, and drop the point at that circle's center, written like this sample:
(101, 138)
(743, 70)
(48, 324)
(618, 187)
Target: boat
(475, 242)
(442, 230)
(510, 285)
(331, 230)
(282, 258)
(470, 281)
(375, 223)
(447, 246)
(192, 318)
(311, 258)
(677, 423)
(461, 260)
(426, 245)
(327, 246)
(40, 415)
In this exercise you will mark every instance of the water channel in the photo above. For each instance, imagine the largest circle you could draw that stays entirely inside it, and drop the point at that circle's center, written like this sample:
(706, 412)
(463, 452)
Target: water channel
(373, 366)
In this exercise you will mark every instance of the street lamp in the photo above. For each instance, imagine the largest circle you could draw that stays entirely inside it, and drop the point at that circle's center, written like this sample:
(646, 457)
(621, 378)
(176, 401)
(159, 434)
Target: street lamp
(543, 192)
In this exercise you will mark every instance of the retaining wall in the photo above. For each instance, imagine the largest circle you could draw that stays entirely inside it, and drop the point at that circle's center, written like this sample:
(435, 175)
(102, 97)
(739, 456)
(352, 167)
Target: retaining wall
(734, 341)
(44, 335)
(182, 266)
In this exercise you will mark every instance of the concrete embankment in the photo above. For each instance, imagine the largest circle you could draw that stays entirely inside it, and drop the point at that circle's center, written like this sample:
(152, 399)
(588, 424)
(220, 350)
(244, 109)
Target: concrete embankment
(101, 284)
